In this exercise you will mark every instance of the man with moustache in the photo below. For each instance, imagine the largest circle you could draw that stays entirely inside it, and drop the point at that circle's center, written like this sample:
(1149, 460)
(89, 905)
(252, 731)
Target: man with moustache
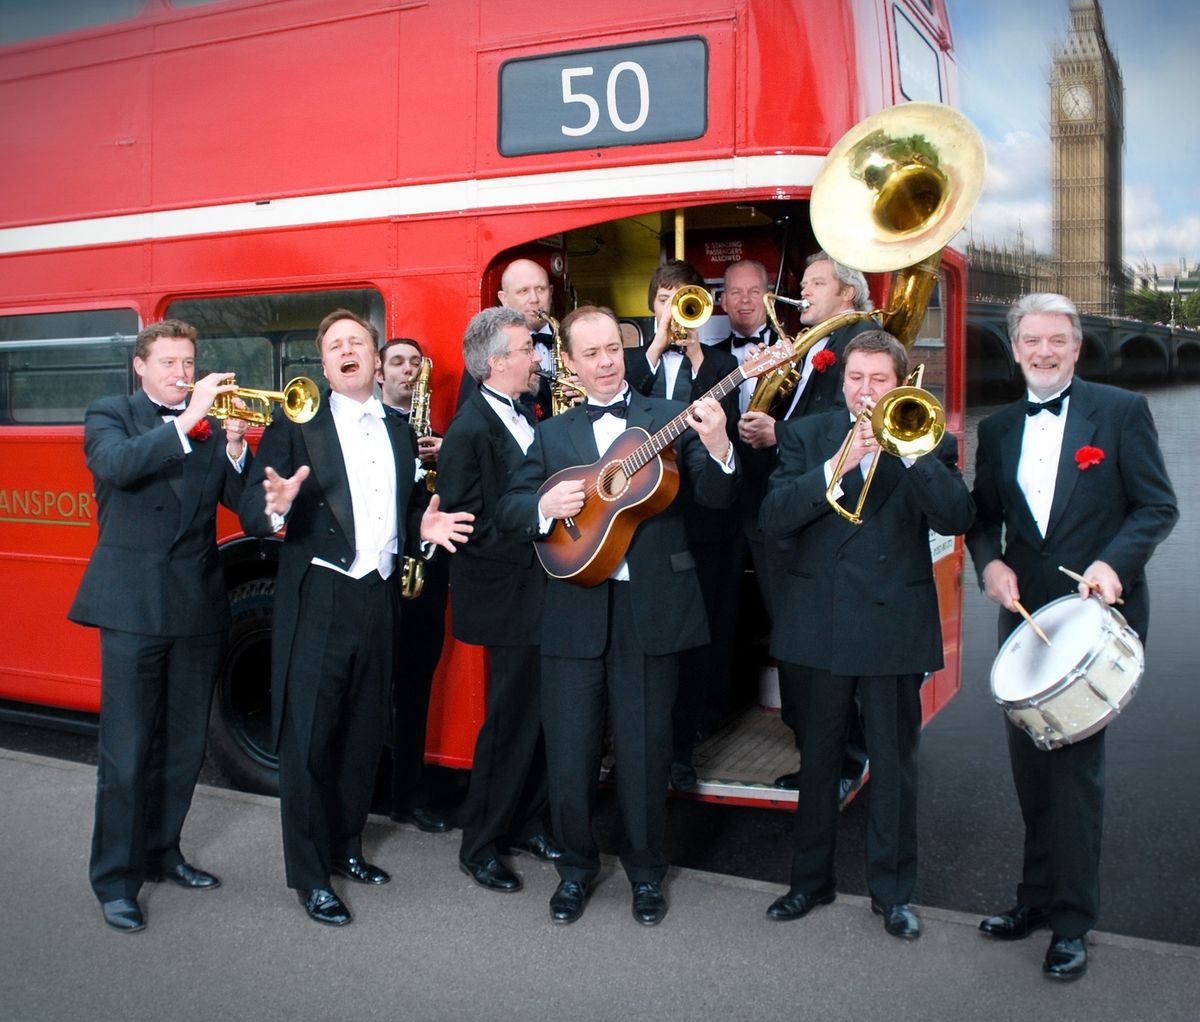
(422, 628)
(498, 586)
(1072, 475)
(155, 589)
(830, 288)
(614, 646)
(343, 484)
(858, 609)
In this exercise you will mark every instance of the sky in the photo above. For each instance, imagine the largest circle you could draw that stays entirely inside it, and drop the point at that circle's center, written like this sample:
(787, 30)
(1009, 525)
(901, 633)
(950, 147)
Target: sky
(1004, 50)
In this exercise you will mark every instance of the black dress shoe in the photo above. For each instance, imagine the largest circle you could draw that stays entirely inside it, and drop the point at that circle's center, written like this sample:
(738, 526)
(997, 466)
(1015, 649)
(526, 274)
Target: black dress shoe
(424, 819)
(797, 904)
(1015, 924)
(791, 780)
(683, 776)
(899, 920)
(492, 874)
(540, 846)
(649, 903)
(360, 871)
(1066, 958)
(568, 901)
(186, 876)
(123, 914)
(323, 906)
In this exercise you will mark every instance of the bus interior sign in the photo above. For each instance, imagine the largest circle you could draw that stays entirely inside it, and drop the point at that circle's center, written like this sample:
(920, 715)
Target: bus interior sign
(595, 99)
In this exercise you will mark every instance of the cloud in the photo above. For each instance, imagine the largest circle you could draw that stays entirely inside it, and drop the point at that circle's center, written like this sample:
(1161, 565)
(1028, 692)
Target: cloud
(1153, 235)
(1016, 193)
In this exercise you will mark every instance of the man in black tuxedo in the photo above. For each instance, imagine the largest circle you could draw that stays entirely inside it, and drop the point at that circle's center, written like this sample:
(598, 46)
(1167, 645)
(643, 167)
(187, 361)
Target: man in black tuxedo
(859, 610)
(525, 287)
(155, 589)
(1042, 501)
(421, 631)
(498, 587)
(615, 644)
(829, 288)
(343, 485)
(684, 370)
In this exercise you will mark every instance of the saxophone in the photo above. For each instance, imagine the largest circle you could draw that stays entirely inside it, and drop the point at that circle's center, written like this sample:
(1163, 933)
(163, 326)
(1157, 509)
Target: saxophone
(412, 570)
(563, 393)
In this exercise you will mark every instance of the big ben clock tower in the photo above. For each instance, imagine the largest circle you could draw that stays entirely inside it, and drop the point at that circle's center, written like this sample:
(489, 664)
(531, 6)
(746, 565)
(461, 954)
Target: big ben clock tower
(1087, 130)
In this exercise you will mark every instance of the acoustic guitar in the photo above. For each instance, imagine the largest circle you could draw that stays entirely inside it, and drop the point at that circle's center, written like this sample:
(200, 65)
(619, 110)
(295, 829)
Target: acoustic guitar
(635, 479)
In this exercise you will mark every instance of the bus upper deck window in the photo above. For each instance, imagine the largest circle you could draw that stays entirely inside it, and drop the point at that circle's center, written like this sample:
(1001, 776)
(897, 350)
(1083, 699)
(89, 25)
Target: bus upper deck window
(54, 364)
(918, 62)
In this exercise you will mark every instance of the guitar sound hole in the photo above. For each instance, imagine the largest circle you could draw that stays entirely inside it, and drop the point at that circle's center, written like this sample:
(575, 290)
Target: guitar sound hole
(612, 482)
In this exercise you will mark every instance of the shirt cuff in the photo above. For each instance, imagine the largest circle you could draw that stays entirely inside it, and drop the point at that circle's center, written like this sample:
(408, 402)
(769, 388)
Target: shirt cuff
(183, 440)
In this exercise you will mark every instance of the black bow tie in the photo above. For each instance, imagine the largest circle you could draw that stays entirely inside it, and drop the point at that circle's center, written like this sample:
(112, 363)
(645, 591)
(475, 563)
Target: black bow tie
(679, 349)
(740, 342)
(1053, 406)
(164, 410)
(594, 412)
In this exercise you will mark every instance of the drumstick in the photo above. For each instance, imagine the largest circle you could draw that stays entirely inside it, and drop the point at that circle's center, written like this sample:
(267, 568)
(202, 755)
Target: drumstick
(1032, 624)
(1079, 578)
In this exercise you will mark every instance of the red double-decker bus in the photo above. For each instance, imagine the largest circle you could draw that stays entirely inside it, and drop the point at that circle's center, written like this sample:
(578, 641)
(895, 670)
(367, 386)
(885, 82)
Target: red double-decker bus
(249, 165)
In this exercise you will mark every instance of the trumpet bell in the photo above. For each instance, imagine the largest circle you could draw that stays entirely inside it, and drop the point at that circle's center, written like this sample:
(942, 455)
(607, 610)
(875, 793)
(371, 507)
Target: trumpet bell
(897, 187)
(908, 422)
(301, 399)
(691, 306)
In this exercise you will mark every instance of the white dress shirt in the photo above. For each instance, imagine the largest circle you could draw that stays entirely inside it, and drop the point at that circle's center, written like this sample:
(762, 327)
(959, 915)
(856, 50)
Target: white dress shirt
(1037, 469)
(371, 470)
(516, 423)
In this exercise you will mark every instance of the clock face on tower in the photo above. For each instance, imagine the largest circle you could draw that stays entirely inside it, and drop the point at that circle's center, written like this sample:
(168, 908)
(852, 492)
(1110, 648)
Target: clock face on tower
(1076, 102)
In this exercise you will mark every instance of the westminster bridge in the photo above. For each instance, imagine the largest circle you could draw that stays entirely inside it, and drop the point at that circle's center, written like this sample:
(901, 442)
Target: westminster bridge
(1125, 352)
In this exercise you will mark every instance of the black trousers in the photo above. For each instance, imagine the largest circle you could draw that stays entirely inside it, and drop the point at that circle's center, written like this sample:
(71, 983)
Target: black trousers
(507, 799)
(340, 667)
(637, 691)
(1062, 803)
(419, 640)
(154, 701)
(891, 709)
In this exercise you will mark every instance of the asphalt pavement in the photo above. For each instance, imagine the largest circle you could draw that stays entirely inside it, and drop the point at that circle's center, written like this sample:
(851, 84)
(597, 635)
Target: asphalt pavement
(431, 945)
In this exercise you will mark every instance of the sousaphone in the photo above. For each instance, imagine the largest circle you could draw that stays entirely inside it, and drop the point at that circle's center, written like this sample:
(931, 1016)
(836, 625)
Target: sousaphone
(889, 197)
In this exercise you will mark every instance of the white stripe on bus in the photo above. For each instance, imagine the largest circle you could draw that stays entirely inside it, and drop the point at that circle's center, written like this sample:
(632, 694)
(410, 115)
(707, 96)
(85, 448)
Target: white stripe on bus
(738, 173)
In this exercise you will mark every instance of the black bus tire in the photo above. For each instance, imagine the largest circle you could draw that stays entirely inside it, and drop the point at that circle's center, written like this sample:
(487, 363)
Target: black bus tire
(239, 726)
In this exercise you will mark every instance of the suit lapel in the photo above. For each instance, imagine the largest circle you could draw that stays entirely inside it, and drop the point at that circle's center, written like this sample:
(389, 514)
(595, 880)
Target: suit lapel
(325, 452)
(405, 474)
(1010, 460)
(145, 418)
(1078, 431)
(579, 430)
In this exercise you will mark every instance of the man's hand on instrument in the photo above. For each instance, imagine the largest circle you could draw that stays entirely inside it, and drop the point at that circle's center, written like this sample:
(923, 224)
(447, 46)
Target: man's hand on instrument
(204, 393)
(1000, 584)
(1102, 579)
(562, 500)
(757, 429)
(707, 417)
(428, 448)
(281, 492)
(235, 432)
(445, 528)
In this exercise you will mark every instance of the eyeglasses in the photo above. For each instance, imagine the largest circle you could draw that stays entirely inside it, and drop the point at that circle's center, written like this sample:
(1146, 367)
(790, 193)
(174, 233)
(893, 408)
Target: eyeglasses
(527, 350)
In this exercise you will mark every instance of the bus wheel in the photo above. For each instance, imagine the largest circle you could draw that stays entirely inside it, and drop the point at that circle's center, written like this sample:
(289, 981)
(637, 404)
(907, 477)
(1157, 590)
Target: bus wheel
(239, 727)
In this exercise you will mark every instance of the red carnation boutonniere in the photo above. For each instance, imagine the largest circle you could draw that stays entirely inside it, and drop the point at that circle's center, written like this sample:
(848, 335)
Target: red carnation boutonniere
(539, 412)
(1087, 456)
(823, 359)
(201, 431)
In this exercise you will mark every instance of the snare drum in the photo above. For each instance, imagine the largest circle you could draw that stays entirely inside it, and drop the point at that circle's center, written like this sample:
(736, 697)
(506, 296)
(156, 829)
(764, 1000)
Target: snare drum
(1064, 692)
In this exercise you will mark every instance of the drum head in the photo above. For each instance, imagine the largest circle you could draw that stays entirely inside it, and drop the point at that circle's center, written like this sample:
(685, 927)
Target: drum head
(1026, 667)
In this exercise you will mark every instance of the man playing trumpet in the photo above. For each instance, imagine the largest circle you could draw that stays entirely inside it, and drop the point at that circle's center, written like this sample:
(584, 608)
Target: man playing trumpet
(858, 610)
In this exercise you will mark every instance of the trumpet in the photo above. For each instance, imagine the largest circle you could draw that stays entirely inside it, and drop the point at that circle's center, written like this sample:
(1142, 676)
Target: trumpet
(563, 393)
(691, 307)
(908, 422)
(299, 401)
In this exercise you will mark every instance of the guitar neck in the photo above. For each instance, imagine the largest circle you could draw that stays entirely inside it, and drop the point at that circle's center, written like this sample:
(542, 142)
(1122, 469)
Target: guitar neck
(674, 429)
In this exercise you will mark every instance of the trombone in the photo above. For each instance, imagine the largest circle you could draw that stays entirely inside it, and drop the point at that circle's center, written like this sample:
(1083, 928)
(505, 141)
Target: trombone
(299, 401)
(907, 421)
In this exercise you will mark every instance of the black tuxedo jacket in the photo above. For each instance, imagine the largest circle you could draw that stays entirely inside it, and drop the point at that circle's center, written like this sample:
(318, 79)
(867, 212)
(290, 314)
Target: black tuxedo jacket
(715, 367)
(858, 599)
(663, 583)
(497, 584)
(1117, 511)
(320, 523)
(155, 569)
